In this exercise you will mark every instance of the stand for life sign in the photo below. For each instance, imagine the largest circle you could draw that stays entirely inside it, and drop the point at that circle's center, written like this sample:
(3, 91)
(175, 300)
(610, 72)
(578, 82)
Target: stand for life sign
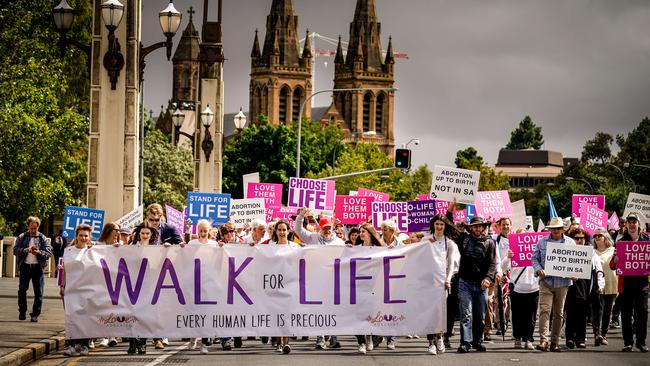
(214, 207)
(75, 216)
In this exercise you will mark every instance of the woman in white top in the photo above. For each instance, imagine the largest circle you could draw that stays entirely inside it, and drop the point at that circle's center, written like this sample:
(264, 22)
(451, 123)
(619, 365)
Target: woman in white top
(389, 233)
(446, 253)
(203, 229)
(601, 305)
(110, 236)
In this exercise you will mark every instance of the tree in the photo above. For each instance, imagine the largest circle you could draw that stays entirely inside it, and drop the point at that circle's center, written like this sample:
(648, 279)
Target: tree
(468, 159)
(271, 151)
(43, 115)
(635, 150)
(490, 180)
(598, 148)
(168, 171)
(526, 136)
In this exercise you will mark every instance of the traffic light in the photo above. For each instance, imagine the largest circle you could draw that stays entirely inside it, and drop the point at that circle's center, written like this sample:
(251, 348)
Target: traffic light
(403, 158)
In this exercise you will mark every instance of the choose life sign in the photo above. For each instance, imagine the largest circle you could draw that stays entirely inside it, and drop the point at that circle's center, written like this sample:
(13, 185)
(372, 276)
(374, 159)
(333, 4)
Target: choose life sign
(397, 211)
(315, 194)
(569, 261)
(214, 207)
(453, 183)
(75, 216)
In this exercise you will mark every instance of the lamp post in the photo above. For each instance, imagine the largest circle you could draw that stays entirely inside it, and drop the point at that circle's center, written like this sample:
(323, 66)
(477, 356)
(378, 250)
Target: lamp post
(582, 180)
(207, 116)
(619, 170)
(63, 18)
(412, 141)
(302, 107)
(240, 120)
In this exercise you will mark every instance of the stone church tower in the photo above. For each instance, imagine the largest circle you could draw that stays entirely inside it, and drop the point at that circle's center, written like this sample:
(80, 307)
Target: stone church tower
(366, 115)
(280, 73)
(186, 67)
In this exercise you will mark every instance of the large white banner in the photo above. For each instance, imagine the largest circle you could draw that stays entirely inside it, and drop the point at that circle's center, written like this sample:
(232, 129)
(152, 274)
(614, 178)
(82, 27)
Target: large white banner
(238, 290)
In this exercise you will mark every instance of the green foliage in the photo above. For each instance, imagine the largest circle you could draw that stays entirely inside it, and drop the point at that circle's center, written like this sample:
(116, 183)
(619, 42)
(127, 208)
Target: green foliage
(43, 108)
(271, 151)
(526, 136)
(168, 171)
(490, 180)
(468, 159)
(635, 151)
(598, 148)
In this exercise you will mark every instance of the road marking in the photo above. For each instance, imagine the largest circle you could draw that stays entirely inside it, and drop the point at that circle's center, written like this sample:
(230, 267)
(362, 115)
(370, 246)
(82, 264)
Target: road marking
(166, 355)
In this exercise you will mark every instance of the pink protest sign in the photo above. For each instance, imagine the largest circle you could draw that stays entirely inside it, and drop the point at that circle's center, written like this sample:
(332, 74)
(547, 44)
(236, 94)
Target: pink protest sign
(423, 197)
(578, 199)
(283, 213)
(176, 218)
(397, 211)
(271, 192)
(494, 204)
(442, 206)
(633, 258)
(378, 196)
(460, 215)
(614, 223)
(316, 194)
(522, 246)
(353, 210)
(592, 217)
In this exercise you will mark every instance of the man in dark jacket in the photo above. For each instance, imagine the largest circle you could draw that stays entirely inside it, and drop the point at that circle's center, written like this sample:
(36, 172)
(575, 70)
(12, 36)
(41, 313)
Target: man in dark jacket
(167, 233)
(634, 297)
(32, 251)
(476, 273)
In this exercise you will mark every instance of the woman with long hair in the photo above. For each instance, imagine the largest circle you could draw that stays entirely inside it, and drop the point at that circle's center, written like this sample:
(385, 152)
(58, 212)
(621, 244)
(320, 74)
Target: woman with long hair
(369, 238)
(601, 305)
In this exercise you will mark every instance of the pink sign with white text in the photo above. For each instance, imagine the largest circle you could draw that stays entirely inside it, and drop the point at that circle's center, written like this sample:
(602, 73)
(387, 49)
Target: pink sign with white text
(271, 192)
(633, 258)
(378, 196)
(423, 197)
(522, 246)
(460, 215)
(316, 194)
(578, 199)
(282, 212)
(494, 204)
(591, 217)
(614, 222)
(353, 210)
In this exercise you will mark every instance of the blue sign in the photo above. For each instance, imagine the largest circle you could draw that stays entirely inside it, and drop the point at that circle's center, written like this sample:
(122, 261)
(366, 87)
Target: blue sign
(214, 207)
(470, 211)
(75, 216)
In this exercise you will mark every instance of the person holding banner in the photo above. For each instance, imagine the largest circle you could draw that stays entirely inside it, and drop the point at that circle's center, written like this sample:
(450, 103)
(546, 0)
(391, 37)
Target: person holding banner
(167, 233)
(110, 236)
(369, 238)
(258, 233)
(324, 236)
(504, 225)
(552, 289)
(477, 271)
(446, 255)
(634, 293)
(229, 234)
(353, 237)
(602, 303)
(32, 251)
(389, 233)
(77, 347)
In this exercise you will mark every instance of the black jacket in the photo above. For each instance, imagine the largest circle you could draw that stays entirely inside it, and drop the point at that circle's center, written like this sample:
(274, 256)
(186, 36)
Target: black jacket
(478, 260)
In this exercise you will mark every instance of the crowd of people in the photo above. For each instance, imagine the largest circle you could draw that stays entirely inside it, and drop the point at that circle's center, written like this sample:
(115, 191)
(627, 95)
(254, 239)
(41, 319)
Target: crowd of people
(483, 291)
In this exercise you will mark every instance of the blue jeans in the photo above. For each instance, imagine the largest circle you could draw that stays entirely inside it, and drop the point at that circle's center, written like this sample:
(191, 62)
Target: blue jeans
(472, 300)
(31, 273)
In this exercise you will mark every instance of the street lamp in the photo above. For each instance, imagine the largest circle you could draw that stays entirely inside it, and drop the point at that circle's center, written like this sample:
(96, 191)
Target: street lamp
(240, 120)
(619, 170)
(302, 107)
(583, 180)
(412, 141)
(206, 119)
(63, 18)
(170, 20)
(112, 12)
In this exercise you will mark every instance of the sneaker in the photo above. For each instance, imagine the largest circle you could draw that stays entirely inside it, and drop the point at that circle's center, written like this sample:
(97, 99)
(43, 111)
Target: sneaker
(487, 337)
(91, 344)
(103, 342)
(84, 351)
(71, 351)
(362, 349)
(463, 348)
(278, 348)
(112, 342)
(598, 341)
(227, 346)
(142, 350)
(320, 344)
(642, 347)
(432, 349)
(390, 345)
(158, 344)
(517, 344)
(582, 345)
(529, 345)
(615, 324)
(369, 343)
(479, 347)
(204, 350)
(604, 341)
(447, 342)
(409, 336)
(286, 349)
(627, 348)
(165, 341)
(555, 347)
(416, 336)
(33, 319)
(440, 346)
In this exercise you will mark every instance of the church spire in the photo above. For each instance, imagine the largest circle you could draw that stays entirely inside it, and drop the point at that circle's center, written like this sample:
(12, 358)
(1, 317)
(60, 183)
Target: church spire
(390, 58)
(306, 52)
(255, 53)
(282, 32)
(339, 53)
(365, 33)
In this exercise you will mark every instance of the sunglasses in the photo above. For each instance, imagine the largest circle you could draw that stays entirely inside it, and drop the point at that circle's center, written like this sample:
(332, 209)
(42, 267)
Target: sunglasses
(230, 231)
(154, 220)
(579, 238)
(599, 236)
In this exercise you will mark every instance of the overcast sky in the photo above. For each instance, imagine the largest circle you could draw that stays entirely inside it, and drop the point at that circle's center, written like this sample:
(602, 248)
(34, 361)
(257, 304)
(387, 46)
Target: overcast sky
(475, 68)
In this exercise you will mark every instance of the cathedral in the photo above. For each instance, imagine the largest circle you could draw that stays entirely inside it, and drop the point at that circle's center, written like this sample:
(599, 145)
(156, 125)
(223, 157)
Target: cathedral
(281, 74)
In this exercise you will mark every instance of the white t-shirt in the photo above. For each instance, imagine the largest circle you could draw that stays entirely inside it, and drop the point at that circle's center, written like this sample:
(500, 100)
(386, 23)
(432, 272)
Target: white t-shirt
(196, 241)
(31, 258)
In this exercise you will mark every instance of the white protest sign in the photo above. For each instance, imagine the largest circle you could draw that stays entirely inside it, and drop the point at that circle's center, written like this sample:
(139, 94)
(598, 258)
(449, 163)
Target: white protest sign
(244, 211)
(569, 261)
(518, 215)
(131, 219)
(453, 183)
(246, 178)
(639, 203)
(529, 223)
(238, 290)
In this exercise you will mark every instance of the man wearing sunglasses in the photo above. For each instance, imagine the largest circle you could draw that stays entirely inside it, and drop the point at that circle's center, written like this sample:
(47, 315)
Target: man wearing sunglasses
(167, 233)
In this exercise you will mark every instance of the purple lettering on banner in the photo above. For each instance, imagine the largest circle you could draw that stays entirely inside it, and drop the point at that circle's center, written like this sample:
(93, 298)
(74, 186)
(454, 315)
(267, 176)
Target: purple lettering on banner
(123, 273)
(578, 199)
(167, 266)
(396, 211)
(197, 285)
(420, 214)
(232, 280)
(302, 279)
(271, 192)
(522, 246)
(633, 258)
(354, 278)
(388, 277)
(337, 281)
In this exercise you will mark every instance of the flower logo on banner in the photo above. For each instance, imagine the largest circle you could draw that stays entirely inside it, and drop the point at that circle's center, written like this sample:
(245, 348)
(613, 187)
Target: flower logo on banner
(385, 319)
(117, 321)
